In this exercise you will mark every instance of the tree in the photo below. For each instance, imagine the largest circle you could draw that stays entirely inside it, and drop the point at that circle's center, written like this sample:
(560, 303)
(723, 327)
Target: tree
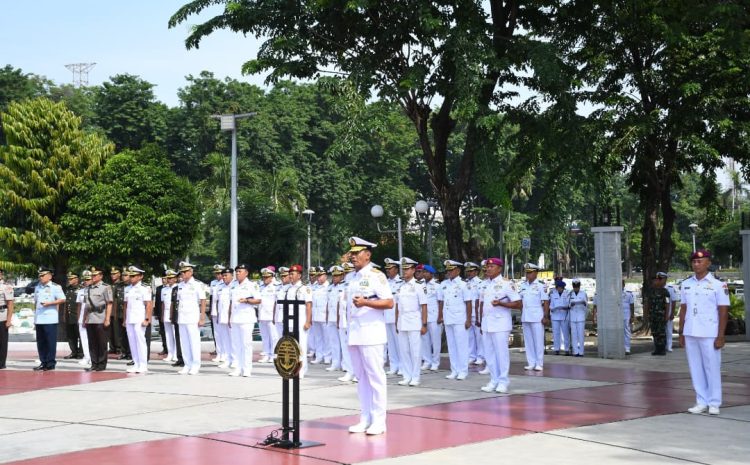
(15, 85)
(139, 212)
(45, 162)
(669, 83)
(413, 53)
(128, 113)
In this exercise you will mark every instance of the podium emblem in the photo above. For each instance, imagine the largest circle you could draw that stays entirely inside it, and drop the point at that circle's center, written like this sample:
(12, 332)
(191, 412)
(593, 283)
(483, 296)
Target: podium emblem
(287, 360)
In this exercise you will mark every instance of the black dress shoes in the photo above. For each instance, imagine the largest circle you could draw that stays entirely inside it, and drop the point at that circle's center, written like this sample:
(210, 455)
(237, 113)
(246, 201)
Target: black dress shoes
(69, 356)
(39, 368)
(48, 369)
(131, 363)
(178, 364)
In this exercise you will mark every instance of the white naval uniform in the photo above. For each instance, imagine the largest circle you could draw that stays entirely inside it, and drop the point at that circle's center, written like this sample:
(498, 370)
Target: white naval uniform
(317, 331)
(267, 327)
(166, 320)
(454, 294)
(431, 341)
(533, 295)
(189, 294)
(673, 297)
(81, 299)
(301, 292)
(394, 364)
(278, 317)
(626, 302)
(578, 309)
(559, 305)
(410, 298)
(702, 299)
(136, 299)
(218, 343)
(475, 333)
(224, 300)
(242, 321)
(367, 339)
(497, 322)
(344, 309)
(334, 300)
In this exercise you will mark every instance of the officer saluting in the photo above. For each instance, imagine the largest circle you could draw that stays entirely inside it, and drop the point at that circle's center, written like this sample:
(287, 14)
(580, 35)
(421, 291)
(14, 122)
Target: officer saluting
(369, 294)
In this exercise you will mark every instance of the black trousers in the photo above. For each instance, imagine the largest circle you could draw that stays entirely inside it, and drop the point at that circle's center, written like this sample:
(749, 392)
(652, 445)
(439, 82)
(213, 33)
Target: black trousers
(3, 344)
(163, 336)
(176, 330)
(46, 344)
(148, 342)
(74, 339)
(97, 345)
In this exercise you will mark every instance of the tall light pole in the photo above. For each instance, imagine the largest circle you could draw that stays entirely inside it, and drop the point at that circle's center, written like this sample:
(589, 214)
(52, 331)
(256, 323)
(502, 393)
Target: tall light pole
(423, 208)
(229, 123)
(308, 216)
(693, 228)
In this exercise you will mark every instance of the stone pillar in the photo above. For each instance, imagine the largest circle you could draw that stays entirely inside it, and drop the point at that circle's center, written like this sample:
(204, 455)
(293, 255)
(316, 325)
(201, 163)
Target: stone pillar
(609, 321)
(745, 233)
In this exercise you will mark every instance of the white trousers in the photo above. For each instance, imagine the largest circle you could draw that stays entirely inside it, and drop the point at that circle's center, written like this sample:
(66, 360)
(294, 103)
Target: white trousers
(218, 342)
(190, 344)
(318, 334)
(137, 340)
(576, 336)
(670, 329)
(560, 335)
(346, 358)
(333, 344)
(458, 348)
(85, 343)
(169, 345)
(497, 356)
(431, 343)
(410, 344)
(367, 362)
(626, 325)
(705, 369)
(227, 351)
(476, 351)
(242, 346)
(268, 336)
(533, 341)
(393, 353)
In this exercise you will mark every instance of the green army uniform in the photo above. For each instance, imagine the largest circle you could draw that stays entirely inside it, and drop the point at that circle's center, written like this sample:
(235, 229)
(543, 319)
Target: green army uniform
(70, 317)
(658, 302)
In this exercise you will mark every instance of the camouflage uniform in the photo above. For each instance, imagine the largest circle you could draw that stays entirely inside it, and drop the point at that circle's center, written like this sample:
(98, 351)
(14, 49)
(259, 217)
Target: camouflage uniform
(658, 304)
(118, 341)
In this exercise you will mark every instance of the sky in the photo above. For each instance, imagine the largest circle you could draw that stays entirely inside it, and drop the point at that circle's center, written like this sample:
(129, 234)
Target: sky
(132, 36)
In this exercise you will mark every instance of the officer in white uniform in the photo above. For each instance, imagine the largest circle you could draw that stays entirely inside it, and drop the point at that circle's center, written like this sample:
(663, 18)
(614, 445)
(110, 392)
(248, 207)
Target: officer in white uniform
(476, 356)
(482, 286)
(138, 310)
(245, 294)
(268, 333)
(704, 307)
(394, 282)
(579, 306)
(334, 299)
(498, 298)
(628, 312)
(674, 296)
(212, 286)
(281, 289)
(559, 304)
(170, 280)
(224, 296)
(454, 309)
(411, 322)
(191, 296)
(319, 301)
(432, 339)
(343, 325)
(534, 316)
(81, 303)
(370, 295)
(300, 292)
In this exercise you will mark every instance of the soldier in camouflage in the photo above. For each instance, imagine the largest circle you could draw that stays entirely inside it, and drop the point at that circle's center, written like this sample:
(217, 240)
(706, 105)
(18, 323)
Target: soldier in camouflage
(70, 317)
(658, 303)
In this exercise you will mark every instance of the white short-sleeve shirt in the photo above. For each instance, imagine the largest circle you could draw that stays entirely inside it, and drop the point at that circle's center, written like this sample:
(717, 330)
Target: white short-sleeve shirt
(244, 313)
(533, 294)
(410, 298)
(367, 324)
(136, 299)
(702, 299)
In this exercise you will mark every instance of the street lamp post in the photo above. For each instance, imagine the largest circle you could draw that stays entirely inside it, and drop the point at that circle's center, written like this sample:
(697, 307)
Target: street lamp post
(229, 123)
(377, 212)
(308, 216)
(423, 209)
(693, 228)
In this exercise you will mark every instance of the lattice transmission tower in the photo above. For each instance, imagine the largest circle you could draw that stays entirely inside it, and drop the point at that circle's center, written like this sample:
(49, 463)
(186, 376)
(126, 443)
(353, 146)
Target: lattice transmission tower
(80, 73)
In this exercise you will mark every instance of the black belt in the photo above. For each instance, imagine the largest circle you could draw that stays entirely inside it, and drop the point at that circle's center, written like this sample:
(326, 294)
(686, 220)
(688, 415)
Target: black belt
(3, 307)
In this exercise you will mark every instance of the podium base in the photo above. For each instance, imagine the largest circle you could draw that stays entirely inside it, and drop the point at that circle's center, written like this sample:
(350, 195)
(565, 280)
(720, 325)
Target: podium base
(282, 444)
